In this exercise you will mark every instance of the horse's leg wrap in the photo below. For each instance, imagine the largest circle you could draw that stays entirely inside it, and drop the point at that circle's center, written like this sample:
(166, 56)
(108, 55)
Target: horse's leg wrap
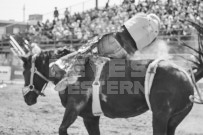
(96, 106)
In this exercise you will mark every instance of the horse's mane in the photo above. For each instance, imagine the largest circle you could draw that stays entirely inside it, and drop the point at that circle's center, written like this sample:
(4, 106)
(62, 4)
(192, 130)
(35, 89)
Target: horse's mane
(51, 55)
(55, 53)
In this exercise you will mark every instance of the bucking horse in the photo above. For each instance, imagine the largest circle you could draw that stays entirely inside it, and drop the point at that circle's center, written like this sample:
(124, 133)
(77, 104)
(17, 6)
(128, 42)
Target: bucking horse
(129, 89)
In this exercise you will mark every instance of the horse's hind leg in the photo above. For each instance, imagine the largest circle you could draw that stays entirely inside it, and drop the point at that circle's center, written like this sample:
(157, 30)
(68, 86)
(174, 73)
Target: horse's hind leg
(175, 120)
(92, 125)
(160, 122)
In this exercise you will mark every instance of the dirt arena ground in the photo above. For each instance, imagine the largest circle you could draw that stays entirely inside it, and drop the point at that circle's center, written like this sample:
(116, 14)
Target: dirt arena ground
(44, 118)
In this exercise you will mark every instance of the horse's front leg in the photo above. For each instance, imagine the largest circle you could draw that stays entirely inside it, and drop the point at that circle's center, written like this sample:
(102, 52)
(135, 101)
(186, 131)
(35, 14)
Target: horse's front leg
(73, 108)
(68, 118)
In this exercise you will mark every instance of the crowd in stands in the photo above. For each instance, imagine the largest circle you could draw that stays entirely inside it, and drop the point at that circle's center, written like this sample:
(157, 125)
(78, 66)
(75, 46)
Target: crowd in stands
(83, 26)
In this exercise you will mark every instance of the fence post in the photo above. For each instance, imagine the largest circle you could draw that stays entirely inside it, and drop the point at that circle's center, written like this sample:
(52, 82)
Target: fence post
(178, 38)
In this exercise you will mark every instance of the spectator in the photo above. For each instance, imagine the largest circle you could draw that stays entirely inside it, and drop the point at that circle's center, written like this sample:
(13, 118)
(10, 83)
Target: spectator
(32, 30)
(56, 14)
(66, 14)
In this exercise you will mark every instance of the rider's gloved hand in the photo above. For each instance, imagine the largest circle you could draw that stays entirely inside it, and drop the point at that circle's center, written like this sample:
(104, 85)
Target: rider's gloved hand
(35, 48)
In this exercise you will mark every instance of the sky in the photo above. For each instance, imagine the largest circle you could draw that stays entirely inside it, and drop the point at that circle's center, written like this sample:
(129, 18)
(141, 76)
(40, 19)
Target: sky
(13, 9)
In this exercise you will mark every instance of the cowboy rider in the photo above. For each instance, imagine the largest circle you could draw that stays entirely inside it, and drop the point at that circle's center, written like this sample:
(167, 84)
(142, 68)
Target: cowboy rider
(137, 33)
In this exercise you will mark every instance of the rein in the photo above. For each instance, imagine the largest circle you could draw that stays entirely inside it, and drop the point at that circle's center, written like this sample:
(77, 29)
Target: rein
(31, 86)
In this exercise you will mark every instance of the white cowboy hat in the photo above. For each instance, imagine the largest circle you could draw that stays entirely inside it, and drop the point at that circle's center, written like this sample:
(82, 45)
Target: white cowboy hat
(143, 28)
(154, 22)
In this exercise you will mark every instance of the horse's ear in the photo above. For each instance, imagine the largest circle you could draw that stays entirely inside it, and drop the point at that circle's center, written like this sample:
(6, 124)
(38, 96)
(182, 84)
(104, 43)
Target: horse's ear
(24, 59)
(63, 51)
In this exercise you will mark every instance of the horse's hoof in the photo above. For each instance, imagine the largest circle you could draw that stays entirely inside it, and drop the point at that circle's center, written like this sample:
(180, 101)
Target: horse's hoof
(63, 133)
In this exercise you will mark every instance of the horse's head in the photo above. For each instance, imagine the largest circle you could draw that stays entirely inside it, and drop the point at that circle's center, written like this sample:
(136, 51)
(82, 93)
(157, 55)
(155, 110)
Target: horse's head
(36, 73)
(36, 76)
(36, 66)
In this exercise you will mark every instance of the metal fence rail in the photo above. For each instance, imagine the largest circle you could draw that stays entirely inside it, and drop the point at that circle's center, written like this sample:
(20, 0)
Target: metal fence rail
(172, 40)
